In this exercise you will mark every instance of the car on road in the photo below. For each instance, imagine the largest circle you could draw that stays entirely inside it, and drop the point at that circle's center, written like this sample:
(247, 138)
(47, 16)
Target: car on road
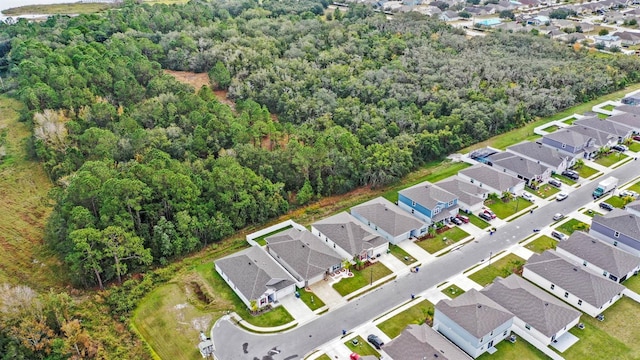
(625, 193)
(620, 148)
(571, 174)
(490, 213)
(558, 216)
(555, 183)
(463, 218)
(561, 196)
(527, 196)
(606, 206)
(375, 341)
(558, 235)
(484, 216)
(456, 221)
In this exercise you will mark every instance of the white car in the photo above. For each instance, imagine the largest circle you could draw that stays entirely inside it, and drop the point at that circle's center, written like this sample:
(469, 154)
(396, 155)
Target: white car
(557, 216)
(527, 196)
(625, 193)
(561, 196)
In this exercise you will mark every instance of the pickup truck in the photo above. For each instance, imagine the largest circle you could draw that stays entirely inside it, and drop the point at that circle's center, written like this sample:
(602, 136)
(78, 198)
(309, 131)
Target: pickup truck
(605, 186)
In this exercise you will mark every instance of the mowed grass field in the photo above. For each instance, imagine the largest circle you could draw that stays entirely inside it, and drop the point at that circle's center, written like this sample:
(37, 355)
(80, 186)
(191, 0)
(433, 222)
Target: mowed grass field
(24, 209)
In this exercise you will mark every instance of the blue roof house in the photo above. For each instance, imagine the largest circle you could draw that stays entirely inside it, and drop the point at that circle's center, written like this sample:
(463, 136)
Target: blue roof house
(429, 202)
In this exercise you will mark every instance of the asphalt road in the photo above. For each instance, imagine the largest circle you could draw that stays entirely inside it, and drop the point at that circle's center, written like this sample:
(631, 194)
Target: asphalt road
(234, 343)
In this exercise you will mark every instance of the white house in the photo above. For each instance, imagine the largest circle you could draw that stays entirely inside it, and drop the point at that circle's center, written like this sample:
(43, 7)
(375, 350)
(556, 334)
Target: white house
(495, 181)
(386, 218)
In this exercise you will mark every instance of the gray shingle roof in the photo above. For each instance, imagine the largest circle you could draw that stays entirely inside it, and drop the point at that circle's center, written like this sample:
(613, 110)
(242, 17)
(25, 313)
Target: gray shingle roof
(348, 233)
(620, 221)
(634, 205)
(419, 342)
(631, 117)
(535, 151)
(601, 138)
(522, 166)
(491, 177)
(387, 216)
(531, 304)
(475, 312)
(428, 194)
(253, 271)
(605, 125)
(467, 193)
(594, 251)
(593, 289)
(304, 252)
(569, 137)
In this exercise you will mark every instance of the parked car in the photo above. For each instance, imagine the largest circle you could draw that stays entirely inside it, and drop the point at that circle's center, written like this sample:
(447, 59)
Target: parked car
(636, 137)
(490, 213)
(606, 206)
(571, 174)
(561, 196)
(463, 218)
(456, 221)
(558, 216)
(484, 216)
(620, 148)
(625, 193)
(527, 196)
(375, 341)
(555, 183)
(558, 235)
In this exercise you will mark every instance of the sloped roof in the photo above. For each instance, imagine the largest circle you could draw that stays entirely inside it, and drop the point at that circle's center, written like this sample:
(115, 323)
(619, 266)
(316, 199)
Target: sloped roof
(605, 256)
(620, 221)
(475, 313)
(491, 177)
(518, 164)
(605, 125)
(591, 288)
(634, 205)
(253, 272)
(601, 138)
(630, 117)
(467, 193)
(428, 194)
(569, 137)
(348, 233)
(531, 304)
(387, 216)
(419, 342)
(304, 252)
(538, 152)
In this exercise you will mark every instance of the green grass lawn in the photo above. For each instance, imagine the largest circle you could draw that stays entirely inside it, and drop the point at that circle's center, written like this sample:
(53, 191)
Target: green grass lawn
(633, 283)
(591, 213)
(520, 350)
(634, 146)
(608, 107)
(361, 278)
(442, 240)
(569, 121)
(505, 209)
(611, 158)
(616, 201)
(310, 299)
(399, 253)
(475, 220)
(261, 240)
(452, 291)
(503, 267)
(541, 244)
(635, 187)
(602, 116)
(617, 337)
(323, 357)
(551, 128)
(413, 315)
(564, 179)
(544, 191)
(585, 171)
(362, 348)
(572, 225)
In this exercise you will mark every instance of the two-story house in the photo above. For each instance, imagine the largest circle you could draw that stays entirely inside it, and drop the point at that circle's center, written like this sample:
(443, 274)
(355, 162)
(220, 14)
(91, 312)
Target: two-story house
(618, 228)
(471, 197)
(521, 167)
(582, 289)
(544, 155)
(486, 177)
(473, 322)
(419, 342)
(572, 143)
(387, 219)
(627, 115)
(619, 132)
(598, 257)
(601, 139)
(429, 202)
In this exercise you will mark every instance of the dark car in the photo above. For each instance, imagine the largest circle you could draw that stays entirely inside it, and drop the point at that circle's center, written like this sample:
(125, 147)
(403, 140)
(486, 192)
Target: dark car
(484, 216)
(463, 218)
(606, 206)
(558, 235)
(571, 174)
(456, 221)
(555, 183)
(375, 341)
(620, 148)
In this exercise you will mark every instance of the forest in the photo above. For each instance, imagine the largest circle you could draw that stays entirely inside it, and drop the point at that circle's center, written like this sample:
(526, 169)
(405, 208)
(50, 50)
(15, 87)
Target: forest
(148, 169)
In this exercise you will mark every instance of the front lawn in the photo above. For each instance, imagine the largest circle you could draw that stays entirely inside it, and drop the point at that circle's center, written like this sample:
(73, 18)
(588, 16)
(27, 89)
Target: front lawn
(544, 191)
(520, 350)
(402, 255)
(413, 315)
(475, 220)
(610, 158)
(541, 244)
(323, 357)
(635, 187)
(505, 209)
(585, 171)
(572, 225)
(616, 201)
(503, 267)
(564, 179)
(361, 278)
(362, 348)
(452, 291)
(591, 213)
(634, 146)
(310, 299)
(551, 128)
(442, 240)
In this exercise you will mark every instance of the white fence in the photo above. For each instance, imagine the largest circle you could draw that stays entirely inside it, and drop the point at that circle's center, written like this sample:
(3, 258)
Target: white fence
(273, 228)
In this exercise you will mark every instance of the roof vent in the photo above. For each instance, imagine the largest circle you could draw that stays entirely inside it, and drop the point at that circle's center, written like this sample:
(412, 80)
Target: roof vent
(574, 269)
(479, 306)
(342, 226)
(546, 304)
(593, 241)
(249, 262)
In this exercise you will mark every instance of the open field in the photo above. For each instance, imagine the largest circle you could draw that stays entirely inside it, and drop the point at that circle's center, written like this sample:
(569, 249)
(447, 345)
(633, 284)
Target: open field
(72, 8)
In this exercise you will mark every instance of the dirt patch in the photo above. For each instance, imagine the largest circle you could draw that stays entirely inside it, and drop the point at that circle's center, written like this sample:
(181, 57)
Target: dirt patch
(197, 80)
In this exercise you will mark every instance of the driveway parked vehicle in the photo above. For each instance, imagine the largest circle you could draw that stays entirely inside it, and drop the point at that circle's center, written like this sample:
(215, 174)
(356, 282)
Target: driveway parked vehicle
(375, 341)
(558, 235)
(463, 218)
(555, 183)
(625, 193)
(456, 221)
(484, 216)
(606, 206)
(620, 147)
(636, 137)
(527, 196)
(490, 213)
(571, 174)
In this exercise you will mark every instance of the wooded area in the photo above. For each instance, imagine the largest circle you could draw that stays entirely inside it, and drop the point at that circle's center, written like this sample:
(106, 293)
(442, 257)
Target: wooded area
(150, 170)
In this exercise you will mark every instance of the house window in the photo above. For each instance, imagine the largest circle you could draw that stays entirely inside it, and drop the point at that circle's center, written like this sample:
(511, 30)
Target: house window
(553, 286)
(451, 203)
(616, 234)
(436, 210)
(471, 180)
(504, 333)
(491, 333)
(566, 294)
(584, 263)
(413, 203)
(527, 326)
(579, 302)
(564, 146)
(413, 211)
(481, 339)
(604, 273)
(615, 243)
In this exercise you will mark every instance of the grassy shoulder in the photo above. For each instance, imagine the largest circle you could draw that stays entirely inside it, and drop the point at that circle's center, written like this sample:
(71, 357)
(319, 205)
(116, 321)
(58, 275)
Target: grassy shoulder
(73, 8)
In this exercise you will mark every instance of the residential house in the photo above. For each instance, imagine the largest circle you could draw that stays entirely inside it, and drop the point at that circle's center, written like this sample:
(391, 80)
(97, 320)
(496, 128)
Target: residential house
(471, 197)
(538, 20)
(614, 17)
(572, 143)
(620, 132)
(633, 207)
(628, 38)
(255, 277)
(486, 177)
(633, 99)
(571, 38)
(304, 255)
(544, 155)
(619, 228)
(601, 139)
(449, 16)
(428, 202)
(586, 27)
(389, 220)
(607, 40)
(565, 24)
(419, 342)
(630, 117)
(537, 313)
(349, 237)
(513, 26)
(599, 257)
(473, 322)
(528, 3)
(430, 10)
(582, 289)
(520, 167)
(556, 34)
